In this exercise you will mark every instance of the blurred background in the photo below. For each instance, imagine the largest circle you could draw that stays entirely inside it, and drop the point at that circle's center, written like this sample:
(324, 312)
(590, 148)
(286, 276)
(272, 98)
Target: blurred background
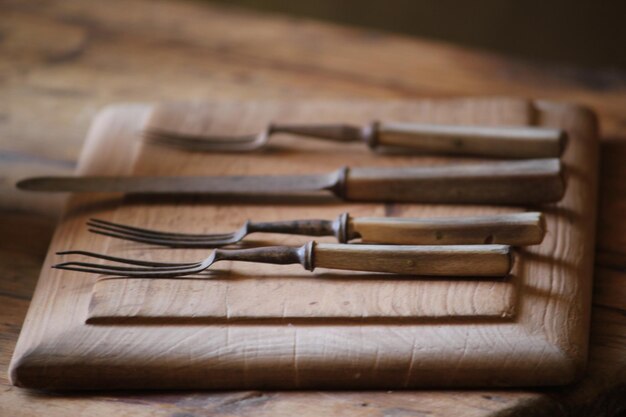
(582, 32)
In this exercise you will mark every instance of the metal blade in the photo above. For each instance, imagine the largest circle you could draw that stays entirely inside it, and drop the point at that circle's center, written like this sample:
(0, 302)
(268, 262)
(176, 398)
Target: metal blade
(222, 185)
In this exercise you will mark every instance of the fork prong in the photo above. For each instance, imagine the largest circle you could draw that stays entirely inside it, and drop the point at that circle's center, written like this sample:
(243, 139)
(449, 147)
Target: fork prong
(161, 134)
(134, 274)
(204, 143)
(124, 260)
(112, 225)
(122, 268)
(144, 273)
(79, 269)
(169, 242)
(179, 240)
(166, 241)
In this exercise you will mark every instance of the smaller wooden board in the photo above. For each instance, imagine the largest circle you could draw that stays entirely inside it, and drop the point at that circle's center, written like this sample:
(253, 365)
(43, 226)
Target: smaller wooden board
(337, 298)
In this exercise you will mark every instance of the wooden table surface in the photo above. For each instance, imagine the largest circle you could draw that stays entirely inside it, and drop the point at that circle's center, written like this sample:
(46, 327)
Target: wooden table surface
(61, 61)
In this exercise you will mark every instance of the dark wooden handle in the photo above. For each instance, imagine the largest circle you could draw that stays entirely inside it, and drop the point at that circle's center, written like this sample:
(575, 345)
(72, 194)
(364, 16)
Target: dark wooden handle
(517, 229)
(467, 260)
(499, 142)
(280, 255)
(510, 183)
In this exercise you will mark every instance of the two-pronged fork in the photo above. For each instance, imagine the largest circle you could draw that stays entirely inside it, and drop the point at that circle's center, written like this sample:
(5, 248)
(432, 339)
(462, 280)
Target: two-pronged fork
(462, 260)
(517, 229)
(499, 142)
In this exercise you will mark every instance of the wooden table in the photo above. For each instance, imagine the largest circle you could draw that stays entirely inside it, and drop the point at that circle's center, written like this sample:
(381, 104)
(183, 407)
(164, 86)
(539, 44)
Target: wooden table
(62, 61)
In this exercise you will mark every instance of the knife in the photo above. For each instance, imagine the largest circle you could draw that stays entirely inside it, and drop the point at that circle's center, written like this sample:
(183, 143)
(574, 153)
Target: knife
(505, 182)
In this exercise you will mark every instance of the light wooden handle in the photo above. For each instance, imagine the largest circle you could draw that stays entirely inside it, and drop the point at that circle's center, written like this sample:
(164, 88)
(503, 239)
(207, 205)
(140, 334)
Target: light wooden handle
(500, 142)
(510, 182)
(517, 229)
(476, 260)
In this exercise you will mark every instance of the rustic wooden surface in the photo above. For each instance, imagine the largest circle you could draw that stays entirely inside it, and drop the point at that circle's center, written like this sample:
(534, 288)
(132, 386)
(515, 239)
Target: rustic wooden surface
(329, 328)
(62, 61)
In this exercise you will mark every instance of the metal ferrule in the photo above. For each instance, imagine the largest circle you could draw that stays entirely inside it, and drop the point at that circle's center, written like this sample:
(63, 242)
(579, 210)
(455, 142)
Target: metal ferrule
(338, 188)
(340, 228)
(369, 133)
(306, 253)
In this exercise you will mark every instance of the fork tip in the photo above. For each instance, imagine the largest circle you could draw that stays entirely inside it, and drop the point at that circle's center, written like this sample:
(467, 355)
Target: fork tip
(70, 252)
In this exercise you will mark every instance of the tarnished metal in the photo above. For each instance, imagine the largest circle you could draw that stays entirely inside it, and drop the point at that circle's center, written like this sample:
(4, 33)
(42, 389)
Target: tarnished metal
(281, 255)
(310, 227)
(341, 133)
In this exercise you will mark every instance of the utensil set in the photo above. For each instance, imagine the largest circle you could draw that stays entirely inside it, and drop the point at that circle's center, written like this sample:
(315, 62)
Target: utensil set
(461, 246)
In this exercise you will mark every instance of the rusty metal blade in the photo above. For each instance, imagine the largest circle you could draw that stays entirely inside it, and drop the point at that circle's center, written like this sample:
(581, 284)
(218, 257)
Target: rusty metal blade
(222, 185)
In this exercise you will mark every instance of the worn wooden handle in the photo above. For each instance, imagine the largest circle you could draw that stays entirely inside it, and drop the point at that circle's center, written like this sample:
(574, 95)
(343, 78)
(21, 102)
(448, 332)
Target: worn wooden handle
(506, 182)
(500, 142)
(517, 229)
(466, 260)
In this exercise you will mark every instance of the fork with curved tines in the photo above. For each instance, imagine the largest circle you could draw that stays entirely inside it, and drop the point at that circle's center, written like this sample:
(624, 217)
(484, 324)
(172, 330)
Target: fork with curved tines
(459, 260)
(517, 229)
(490, 141)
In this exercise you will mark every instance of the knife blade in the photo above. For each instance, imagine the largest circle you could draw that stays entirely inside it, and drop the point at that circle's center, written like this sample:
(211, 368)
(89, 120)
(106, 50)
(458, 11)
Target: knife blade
(179, 185)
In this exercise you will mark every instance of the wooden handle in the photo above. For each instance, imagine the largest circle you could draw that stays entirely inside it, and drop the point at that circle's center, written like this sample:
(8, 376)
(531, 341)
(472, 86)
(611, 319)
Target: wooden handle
(510, 182)
(476, 260)
(517, 229)
(501, 142)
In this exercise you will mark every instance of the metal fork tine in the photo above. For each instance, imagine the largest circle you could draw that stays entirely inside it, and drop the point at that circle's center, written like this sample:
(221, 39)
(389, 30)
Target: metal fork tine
(105, 224)
(177, 136)
(147, 269)
(122, 268)
(184, 143)
(163, 238)
(191, 144)
(139, 239)
(150, 273)
(78, 269)
(124, 236)
(171, 242)
(206, 143)
(124, 260)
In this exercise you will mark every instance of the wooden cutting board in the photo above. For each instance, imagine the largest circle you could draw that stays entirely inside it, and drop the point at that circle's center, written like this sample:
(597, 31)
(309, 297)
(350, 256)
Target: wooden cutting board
(267, 326)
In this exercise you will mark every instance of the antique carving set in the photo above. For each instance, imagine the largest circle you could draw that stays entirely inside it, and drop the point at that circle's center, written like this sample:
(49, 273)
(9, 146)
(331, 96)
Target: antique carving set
(474, 246)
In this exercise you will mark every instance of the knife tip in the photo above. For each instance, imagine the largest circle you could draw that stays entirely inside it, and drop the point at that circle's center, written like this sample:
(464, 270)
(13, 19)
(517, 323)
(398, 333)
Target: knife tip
(31, 184)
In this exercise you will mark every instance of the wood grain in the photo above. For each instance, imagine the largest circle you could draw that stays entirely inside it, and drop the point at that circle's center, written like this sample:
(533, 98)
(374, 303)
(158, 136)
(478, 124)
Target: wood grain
(436, 261)
(544, 352)
(504, 142)
(519, 229)
(533, 181)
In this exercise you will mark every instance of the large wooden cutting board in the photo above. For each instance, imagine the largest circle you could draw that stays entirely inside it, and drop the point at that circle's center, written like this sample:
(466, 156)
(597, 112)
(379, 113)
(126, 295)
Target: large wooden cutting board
(260, 326)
